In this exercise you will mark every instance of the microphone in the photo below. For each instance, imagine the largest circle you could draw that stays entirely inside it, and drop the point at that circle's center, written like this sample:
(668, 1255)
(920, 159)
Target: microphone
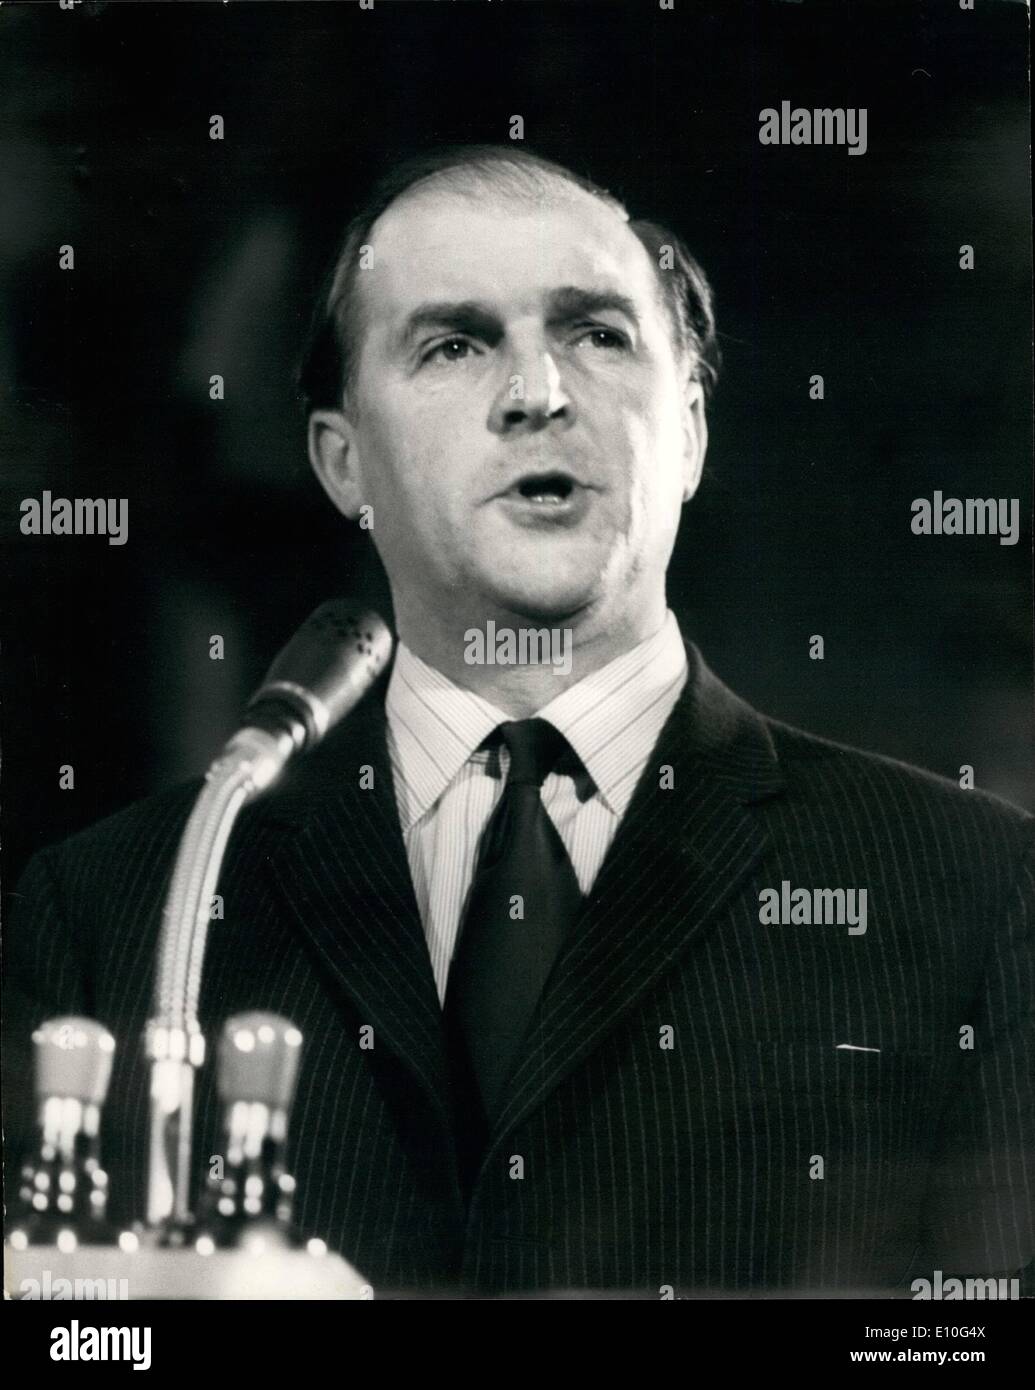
(326, 668)
(323, 672)
(64, 1186)
(249, 1197)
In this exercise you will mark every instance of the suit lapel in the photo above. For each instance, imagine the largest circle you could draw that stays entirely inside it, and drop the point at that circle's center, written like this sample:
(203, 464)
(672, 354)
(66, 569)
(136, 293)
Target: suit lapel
(337, 859)
(680, 852)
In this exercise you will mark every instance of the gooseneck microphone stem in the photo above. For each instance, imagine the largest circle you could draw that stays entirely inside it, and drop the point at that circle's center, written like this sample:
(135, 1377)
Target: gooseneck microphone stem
(174, 1041)
(320, 676)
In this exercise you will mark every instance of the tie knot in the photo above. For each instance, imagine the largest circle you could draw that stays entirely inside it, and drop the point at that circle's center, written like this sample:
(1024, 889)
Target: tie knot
(535, 748)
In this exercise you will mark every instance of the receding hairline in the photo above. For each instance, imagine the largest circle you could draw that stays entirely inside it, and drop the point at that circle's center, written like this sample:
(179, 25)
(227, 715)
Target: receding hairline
(532, 183)
(541, 188)
(522, 176)
(340, 322)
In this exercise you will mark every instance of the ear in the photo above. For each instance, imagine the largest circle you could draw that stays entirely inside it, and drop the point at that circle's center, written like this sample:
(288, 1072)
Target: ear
(695, 437)
(335, 459)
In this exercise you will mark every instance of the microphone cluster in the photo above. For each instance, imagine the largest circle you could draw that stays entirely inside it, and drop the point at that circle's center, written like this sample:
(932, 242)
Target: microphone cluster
(63, 1188)
(245, 1208)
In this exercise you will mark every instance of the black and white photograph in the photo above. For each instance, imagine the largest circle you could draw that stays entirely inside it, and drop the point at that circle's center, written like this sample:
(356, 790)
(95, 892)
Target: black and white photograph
(516, 667)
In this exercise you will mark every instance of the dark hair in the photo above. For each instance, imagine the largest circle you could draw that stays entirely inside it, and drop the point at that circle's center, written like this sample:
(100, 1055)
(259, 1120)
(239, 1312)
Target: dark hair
(331, 348)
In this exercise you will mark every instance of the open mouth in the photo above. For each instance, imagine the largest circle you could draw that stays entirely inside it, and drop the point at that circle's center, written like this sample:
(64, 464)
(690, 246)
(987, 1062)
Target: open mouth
(549, 489)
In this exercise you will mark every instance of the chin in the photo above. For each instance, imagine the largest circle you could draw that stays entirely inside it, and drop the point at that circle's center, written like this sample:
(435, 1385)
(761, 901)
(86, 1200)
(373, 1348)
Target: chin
(545, 599)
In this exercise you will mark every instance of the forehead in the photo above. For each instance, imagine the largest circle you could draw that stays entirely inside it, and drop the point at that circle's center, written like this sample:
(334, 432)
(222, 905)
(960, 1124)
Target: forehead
(505, 250)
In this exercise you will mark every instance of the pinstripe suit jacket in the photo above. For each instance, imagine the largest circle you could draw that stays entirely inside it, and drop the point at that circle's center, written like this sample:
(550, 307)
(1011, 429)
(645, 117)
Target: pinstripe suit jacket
(686, 1116)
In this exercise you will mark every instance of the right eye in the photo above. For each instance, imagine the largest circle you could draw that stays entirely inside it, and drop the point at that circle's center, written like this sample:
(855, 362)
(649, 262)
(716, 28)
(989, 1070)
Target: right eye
(454, 349)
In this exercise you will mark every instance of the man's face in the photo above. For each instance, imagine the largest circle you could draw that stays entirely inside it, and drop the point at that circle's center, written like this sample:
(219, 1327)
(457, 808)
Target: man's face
(519, 421)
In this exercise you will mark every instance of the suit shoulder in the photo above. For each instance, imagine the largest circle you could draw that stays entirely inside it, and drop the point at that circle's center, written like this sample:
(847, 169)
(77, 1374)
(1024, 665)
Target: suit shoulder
(908, 795)
(137, 833)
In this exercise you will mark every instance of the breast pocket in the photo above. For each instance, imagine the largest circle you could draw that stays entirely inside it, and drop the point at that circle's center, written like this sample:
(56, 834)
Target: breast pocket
(851, 1077)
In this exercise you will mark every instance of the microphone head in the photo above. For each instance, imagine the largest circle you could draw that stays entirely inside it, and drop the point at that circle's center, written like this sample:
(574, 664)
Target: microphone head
(73, 1059)
(258, 1059)
(327, 667)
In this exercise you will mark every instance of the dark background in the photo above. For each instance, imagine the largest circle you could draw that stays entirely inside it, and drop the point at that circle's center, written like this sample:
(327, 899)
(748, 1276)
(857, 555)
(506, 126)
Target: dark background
(196, 257)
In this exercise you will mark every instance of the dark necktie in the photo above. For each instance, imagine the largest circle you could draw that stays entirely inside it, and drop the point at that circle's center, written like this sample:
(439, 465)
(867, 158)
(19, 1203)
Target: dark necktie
(524, 897)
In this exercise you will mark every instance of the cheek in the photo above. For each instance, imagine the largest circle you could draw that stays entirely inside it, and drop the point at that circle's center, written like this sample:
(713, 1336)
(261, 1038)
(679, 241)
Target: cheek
(406, 479)
(389, 462)
(653, 437)
(668, 442)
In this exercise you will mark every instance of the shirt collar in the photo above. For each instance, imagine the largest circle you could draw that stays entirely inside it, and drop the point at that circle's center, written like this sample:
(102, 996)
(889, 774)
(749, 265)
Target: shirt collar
(611, 718)
(435, 726)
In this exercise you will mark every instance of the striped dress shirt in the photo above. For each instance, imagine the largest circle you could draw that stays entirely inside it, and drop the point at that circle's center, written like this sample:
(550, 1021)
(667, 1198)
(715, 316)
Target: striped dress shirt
(447, 783)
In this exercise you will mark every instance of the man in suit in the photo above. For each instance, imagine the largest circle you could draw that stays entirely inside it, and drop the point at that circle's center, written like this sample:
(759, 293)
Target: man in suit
(663, 995)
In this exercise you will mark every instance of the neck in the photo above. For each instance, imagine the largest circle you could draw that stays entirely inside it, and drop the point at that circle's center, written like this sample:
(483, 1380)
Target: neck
(490, 655)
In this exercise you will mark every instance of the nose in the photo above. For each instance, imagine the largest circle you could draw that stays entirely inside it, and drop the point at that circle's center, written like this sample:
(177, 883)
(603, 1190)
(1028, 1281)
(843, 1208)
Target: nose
(531, 396)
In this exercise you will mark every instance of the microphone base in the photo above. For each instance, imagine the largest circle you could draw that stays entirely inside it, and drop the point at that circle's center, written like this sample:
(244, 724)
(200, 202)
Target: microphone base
(149, 1274)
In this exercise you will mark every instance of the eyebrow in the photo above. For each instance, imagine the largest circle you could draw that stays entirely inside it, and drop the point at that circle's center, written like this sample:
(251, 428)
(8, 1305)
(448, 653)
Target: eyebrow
(571, 303)
(565, 305)
(466, 314)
